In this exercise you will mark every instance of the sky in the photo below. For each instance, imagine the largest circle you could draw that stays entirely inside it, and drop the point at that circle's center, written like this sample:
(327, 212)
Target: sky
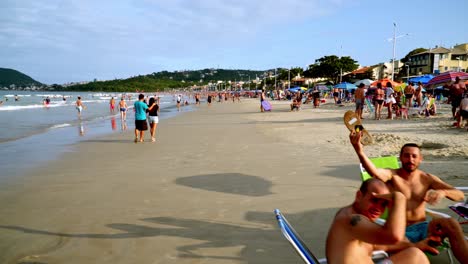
(61, 41)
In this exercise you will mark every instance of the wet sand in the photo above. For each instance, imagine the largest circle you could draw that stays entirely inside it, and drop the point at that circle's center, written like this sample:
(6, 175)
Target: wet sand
(205, 191)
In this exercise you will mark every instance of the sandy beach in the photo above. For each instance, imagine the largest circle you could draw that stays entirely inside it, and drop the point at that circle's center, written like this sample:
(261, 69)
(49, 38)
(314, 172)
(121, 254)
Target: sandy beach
(205, 191)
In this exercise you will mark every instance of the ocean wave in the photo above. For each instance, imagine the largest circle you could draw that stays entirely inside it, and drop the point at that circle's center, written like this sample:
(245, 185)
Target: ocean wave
(60, 125)
(19, 95)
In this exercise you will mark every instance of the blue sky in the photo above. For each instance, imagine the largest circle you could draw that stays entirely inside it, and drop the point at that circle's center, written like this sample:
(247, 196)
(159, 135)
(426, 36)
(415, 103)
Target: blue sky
(58, 41)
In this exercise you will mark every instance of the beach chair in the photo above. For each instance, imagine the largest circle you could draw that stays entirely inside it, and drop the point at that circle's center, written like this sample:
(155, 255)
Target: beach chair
(386, 162)
(301, 248)
(461, 209)
(370, 107)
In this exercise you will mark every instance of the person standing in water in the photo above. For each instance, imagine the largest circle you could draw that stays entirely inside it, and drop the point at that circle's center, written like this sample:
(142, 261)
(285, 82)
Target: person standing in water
(112, 105)
(79, 106)
(123, 109)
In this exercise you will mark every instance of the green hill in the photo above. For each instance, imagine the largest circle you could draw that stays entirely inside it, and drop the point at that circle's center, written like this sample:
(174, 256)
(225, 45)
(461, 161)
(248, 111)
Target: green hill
(159, 81)
(10, 76)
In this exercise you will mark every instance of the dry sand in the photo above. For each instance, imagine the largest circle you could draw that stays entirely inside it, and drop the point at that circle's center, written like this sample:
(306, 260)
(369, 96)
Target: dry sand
(206, 190)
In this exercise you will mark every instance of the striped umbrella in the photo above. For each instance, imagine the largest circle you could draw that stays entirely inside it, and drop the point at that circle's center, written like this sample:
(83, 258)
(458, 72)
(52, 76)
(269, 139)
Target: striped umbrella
(447, 77)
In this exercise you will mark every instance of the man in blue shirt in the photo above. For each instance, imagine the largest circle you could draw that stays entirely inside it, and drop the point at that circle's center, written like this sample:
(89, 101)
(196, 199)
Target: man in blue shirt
(140, 118)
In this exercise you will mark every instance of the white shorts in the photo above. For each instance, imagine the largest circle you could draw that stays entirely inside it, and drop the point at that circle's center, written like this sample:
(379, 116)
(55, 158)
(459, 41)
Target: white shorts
(153, 119)
(79, 108)
(390, 100)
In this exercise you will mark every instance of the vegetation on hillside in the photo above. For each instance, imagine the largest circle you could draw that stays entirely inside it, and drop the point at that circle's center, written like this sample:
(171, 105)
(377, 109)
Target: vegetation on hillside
(10, 76)
(160, 81)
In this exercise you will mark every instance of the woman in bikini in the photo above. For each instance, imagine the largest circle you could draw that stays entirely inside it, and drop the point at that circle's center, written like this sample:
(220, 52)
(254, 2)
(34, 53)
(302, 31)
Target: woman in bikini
(379, 99)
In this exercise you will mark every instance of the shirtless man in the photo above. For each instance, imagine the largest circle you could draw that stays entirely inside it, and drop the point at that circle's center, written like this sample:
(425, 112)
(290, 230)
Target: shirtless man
(418, 186)
(359, 97)
(463, 112)
(79, 106)
(456, 94)
(123, 109)
(353, 234)
(409, 92)
(418, 94)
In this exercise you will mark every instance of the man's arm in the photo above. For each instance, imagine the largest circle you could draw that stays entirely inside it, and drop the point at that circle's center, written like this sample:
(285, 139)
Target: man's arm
(394, 229)
(382, 174)
(448, 227)
(439, 189)
(422, 245)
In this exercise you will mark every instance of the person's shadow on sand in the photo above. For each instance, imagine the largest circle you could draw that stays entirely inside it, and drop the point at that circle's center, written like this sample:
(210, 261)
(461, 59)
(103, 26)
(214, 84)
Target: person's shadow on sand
(261, 241)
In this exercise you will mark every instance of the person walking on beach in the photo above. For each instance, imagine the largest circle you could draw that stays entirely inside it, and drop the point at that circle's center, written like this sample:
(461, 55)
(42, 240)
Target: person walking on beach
(463, 114)
(208, 100)
(456, 91)
(419, 187)
(123, 109)
(390, 99)
(153, 117)
(409, 92)
(262, 98)
(336, 94)
(359, 97)
(353, 234)
(79, 106)
(418, 94)
(179, 99)
(140, 117)
(379, 99)
(112, 105)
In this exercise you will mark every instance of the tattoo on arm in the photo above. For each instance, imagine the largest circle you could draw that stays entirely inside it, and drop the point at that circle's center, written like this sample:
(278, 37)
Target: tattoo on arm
(355, 219)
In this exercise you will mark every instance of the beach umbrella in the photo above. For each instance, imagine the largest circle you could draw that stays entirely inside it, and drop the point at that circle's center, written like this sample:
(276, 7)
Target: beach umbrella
(384, 83)
(295, 89)
(400, 87)
(423, 78)
(447, 77)
(322, 87)
(366, 82)
(346, 85)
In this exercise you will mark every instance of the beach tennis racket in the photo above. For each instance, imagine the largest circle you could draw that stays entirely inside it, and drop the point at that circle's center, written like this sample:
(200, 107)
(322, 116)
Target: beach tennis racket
(353, 123)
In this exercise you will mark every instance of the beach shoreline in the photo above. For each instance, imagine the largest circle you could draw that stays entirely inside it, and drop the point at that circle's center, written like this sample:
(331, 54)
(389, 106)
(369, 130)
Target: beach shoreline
(205, 191)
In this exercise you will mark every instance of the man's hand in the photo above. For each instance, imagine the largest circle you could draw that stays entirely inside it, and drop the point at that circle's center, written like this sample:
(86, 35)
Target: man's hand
(390, 197)
(355, 138)
(434, 196)
(429, 245)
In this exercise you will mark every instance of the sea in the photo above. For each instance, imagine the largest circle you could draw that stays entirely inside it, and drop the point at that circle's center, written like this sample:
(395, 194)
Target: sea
(32, 133)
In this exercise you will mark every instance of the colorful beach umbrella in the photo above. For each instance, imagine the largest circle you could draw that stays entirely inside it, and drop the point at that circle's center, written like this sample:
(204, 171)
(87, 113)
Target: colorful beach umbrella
(384, 83)
(447, 77)
(366, 82)
(346, 85)
(423, 78)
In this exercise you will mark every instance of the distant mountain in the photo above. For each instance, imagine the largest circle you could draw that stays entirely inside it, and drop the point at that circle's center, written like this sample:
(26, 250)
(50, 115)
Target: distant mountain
(159, 81)
(10, 76)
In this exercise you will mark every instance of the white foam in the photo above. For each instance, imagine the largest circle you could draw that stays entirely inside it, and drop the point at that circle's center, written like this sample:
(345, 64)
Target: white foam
(60, 126)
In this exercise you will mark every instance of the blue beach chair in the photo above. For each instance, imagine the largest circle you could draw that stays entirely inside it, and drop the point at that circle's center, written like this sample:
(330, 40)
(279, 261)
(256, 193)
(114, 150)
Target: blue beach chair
(301, 248)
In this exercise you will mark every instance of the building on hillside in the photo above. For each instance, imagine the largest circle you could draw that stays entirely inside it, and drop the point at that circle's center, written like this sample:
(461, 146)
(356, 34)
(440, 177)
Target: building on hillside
(439, 59)
(375, 72)
(365, 72)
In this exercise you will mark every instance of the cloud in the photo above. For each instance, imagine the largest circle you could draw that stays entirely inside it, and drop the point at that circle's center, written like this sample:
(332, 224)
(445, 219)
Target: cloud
(140, 31)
